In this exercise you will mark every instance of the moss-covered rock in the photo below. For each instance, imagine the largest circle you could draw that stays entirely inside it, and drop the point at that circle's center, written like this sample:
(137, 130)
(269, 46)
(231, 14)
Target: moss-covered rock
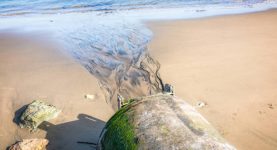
(160, 122)
(37, 112)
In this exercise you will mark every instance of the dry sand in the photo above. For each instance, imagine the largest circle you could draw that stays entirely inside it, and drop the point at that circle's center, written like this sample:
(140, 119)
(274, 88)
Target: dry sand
(229, 62)
(31, 70)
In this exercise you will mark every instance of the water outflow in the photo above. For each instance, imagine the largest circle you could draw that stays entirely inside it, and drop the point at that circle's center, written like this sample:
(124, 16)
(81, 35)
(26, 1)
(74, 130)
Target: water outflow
(115, 51)
(111, 47)
(107, 36)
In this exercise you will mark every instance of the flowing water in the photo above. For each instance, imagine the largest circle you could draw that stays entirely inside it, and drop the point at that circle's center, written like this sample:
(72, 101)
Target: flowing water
(108, 37)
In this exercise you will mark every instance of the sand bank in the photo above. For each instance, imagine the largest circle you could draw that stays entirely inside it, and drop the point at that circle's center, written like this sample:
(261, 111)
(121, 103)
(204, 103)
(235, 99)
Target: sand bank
(229, 62)
(32, 70)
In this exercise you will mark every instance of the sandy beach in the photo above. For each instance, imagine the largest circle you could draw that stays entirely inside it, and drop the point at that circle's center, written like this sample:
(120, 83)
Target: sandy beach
(37, 69)
(58, 52)
(230, 63)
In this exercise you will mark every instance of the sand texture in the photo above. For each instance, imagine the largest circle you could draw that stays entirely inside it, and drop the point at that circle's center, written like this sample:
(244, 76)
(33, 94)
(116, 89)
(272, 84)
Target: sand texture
(230, 63)
(32, 69)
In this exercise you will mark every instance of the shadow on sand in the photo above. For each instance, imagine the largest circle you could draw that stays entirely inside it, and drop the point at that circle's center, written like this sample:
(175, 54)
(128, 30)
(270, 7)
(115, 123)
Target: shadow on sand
(18, 114)
(65, 136)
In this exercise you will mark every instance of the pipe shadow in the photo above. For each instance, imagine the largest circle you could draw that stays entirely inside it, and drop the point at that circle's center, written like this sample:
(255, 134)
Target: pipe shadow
(66, 136)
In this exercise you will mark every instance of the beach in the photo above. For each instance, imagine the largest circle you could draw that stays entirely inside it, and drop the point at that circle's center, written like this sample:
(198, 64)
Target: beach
(230, 64)
(92, 58)
(33, 68)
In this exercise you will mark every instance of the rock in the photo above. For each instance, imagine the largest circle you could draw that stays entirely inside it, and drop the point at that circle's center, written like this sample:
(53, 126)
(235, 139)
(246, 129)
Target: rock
(89, 97)
(270, 106)
(30, 144)
(160, 122)
(201, 104)
(36, 113)
(168, 89)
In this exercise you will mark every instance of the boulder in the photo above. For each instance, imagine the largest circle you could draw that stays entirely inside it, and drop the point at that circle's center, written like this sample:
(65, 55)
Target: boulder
(37, 112)
(160, 122)
(30, 144)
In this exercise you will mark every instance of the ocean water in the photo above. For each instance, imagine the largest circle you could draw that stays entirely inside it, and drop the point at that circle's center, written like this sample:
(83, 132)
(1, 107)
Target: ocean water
(17, 7)
(52, 6)
(109, 37)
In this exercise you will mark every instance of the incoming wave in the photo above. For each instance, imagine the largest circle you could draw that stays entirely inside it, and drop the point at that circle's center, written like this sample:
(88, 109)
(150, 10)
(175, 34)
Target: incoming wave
(19, 7)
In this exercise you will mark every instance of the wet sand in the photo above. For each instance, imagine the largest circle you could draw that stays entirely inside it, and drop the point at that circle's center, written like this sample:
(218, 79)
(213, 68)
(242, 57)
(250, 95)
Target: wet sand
(230, 63)
(32, 69)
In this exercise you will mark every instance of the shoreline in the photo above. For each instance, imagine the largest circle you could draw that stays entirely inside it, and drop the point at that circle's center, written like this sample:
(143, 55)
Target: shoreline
(228, 63)
(148, 22)
(110, 61)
